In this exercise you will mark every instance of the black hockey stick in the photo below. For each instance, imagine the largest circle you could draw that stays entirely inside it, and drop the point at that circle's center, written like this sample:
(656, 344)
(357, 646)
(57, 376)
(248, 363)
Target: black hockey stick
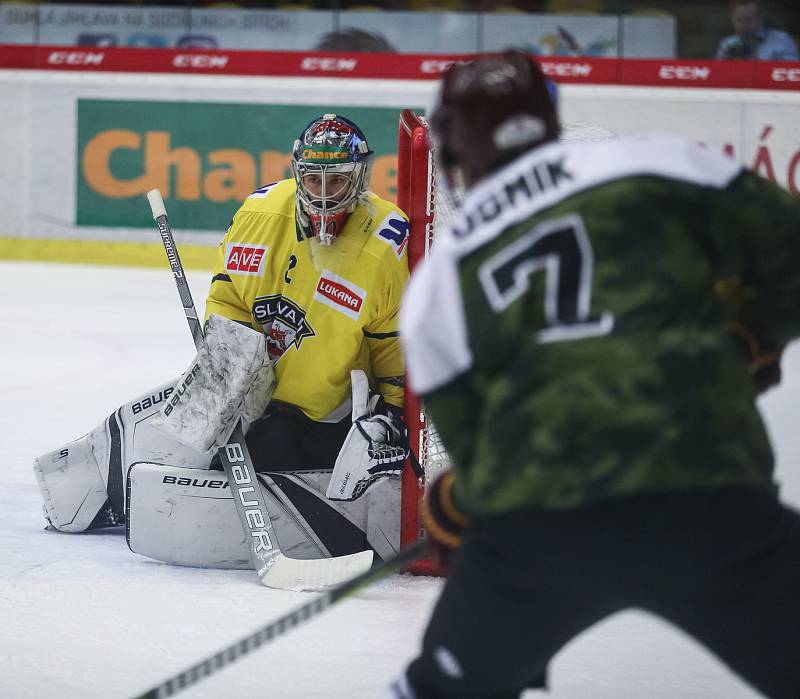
(233, 652)
(273, 568)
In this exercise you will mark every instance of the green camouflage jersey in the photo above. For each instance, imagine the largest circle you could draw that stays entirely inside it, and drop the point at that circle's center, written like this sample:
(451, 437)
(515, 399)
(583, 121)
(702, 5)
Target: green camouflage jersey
(570, 334)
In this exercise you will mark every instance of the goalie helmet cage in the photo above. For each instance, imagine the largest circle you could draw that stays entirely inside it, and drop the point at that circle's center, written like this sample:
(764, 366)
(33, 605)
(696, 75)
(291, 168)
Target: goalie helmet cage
(417, 197)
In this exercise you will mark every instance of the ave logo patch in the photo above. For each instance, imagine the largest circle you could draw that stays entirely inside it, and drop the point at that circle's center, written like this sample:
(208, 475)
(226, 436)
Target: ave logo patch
(340, 294)
(284, 323)
(394, 231)
(242, 258)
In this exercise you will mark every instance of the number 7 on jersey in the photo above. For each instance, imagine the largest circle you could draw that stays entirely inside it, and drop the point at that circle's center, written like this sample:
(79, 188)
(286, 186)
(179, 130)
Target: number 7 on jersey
(561, 249)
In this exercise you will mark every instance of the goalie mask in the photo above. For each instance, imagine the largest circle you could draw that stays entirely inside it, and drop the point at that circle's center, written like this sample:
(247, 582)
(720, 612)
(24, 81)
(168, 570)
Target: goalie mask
(490, 110)
(331, 162)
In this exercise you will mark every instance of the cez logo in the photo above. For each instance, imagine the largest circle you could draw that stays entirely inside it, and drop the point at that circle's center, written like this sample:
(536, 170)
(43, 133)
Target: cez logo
(394, 231)
(241, 258)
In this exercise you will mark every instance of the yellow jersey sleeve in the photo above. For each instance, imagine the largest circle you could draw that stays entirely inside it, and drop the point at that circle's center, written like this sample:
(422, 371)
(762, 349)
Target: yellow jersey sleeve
(382, 336)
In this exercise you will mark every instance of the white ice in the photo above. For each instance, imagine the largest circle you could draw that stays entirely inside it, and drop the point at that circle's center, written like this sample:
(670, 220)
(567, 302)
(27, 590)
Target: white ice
(81, 616)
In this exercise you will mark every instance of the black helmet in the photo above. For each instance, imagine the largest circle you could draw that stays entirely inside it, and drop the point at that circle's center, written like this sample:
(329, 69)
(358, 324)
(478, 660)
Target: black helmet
(490, 110)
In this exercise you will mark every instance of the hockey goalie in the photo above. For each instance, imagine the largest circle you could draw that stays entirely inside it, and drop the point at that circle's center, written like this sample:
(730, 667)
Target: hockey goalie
(302, 346)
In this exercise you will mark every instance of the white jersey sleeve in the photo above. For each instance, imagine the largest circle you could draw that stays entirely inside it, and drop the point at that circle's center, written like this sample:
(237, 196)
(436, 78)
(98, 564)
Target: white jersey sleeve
(433, 324)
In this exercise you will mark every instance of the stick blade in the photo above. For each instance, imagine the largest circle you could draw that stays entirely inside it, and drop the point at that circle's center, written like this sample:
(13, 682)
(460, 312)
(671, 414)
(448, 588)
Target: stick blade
(315, 574)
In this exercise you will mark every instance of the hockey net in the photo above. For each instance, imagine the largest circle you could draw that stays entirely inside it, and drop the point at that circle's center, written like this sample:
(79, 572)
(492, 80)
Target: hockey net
(429, 210)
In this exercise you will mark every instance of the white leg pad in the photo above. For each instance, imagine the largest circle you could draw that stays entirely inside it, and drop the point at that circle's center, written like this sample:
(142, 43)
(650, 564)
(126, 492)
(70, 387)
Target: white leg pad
(383, 516)
(73, 491)
(376, 513)
(184, 517)
(83, 482)
(187, 517)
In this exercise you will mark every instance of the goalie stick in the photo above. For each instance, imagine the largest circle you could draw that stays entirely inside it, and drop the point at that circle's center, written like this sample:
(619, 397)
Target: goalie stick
(274, 569)
(233, 652)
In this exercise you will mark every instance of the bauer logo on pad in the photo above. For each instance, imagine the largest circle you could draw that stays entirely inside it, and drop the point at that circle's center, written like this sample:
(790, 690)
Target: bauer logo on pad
(338, 293)
(241, 258)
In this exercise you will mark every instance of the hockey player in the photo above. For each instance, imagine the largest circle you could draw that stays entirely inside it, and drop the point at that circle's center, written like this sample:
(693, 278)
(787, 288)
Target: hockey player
(304, 297)
(590, 338)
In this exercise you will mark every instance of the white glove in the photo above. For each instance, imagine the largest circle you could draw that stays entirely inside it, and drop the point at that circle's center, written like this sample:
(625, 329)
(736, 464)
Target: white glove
(376, 446)
(231, 377)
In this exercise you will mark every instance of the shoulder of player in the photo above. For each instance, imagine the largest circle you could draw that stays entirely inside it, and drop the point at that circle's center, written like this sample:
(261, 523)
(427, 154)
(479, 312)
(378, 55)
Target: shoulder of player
(553, 173)
(670, 157)
(386, 230)
(548, 174)
(433, 313)
(274, 198)
(773, 34)
(264, 214)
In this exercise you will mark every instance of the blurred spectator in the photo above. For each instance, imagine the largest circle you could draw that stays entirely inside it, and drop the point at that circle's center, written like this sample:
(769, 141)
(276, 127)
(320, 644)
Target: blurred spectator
(355, 40)
(439, 5)
(503, 6)
(574, 7)
(752, 39)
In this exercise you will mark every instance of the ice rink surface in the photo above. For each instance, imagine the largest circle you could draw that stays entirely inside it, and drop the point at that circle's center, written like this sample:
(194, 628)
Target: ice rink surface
(82, 617)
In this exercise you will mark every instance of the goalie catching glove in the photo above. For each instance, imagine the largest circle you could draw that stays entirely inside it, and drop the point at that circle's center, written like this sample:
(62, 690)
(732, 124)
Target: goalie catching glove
(376, 446)
(444, 522)
(231, 377)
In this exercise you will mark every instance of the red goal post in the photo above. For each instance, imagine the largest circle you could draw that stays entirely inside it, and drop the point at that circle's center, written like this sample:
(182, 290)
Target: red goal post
(416, 197)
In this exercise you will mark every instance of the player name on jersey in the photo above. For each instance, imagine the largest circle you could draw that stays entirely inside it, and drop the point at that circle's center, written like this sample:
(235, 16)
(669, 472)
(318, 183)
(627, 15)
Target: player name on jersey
(543, 177)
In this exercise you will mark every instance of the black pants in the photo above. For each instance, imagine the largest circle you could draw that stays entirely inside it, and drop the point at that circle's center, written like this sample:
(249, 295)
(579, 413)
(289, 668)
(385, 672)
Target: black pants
(724, 566)
(284, 439)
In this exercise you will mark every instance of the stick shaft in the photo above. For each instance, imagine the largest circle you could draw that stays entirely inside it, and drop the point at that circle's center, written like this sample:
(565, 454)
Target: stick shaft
(234, 455)
(164, 230)
(265, 634)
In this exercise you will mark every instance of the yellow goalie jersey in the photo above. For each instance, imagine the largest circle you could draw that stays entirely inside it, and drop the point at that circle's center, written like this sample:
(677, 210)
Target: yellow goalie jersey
(325, 309)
